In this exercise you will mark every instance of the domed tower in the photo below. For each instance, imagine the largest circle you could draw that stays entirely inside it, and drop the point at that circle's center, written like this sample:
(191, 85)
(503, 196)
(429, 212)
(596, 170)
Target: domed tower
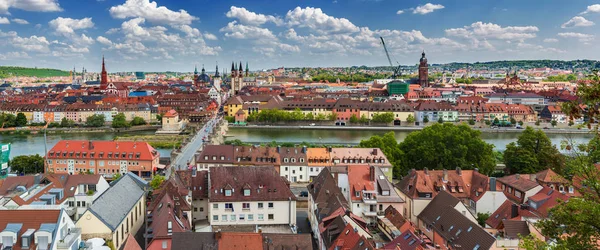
(423, 71)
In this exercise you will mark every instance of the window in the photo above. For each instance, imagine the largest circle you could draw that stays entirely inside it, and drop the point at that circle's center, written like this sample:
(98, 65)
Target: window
(357, 194)
(227, 192)
(215, 217)
(246, 192)
(246, 205)
(195, 209)
(71, 203)
(271, 216)
(232, 217)
(201, 209)
(242, 217)
(571, 189)
(223, 217)
(165, 244)
(261, 217)
(518, 194)
(260, 205)
(270, 204)
(561, 188)
(228, 205)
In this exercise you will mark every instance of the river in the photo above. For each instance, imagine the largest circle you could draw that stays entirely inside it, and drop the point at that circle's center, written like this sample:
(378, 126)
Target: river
(34, 144)
(353, 137)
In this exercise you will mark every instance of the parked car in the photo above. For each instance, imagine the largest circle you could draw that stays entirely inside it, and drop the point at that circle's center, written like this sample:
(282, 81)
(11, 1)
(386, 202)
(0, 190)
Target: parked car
(518, 126)
(312, 124)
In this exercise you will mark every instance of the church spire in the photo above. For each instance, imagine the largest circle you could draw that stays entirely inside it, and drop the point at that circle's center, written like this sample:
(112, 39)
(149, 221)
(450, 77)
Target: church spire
(195, 70)
(247, 70)
(216, 70)
(104, 75)
(241, 70)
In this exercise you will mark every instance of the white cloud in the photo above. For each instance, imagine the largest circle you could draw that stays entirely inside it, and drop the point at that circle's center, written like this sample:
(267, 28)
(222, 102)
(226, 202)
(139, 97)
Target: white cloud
(20, 21)
(4, 20)
(104, 41)
(240, 31)
(400, 12)
(30, 5)
(209, 36)
(594, 8)
(427, 8)
(152, 12)
(550, 40)
(14, 55)
(577, 21)
(32, 43)
(494, 31)
(315, 19)
(188, 30)
(251, 18)
(580, 36)
(112, 31)
(67, 26)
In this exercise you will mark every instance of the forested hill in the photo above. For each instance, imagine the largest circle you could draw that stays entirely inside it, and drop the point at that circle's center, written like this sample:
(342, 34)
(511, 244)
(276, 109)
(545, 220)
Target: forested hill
(10, 71)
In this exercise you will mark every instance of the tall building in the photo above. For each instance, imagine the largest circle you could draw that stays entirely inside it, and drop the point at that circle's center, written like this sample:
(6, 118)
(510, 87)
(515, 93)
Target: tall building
(423, 71)
(104, 76)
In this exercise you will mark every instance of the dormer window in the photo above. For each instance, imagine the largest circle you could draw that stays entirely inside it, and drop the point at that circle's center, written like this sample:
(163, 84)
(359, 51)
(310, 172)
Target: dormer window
(293, 160)
(222, 158)
(571, 190)
(246, 192)
(214, 157)
(227, 192)
(357, 193)
(206, 157)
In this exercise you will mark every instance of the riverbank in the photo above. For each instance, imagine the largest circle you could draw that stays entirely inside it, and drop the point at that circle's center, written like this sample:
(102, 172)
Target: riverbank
(76, 130)
(411, 128)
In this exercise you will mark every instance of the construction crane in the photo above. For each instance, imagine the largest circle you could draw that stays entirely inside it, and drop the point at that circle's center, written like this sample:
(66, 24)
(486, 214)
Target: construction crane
(396, 73)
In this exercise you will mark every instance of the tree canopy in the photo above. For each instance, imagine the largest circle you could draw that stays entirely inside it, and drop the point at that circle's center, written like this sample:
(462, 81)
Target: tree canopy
(436, 147)
(119, 121)
(66, 123)
(138, 121)
(21, 120)
(533, 152)
(27, 164)
(157, 181)
(95, 121)
(386, 117)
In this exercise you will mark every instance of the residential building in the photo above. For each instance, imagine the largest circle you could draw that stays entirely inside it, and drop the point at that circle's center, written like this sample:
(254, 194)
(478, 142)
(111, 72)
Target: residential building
(43, 228)
(294, 164)
(554, 113)
(171, 121)
(118, 212)
(448, 227)
(516, 98)
(240, 240)
(102, 157)
(484, 196)
(167, 214)
(250, 196)
(518, 188)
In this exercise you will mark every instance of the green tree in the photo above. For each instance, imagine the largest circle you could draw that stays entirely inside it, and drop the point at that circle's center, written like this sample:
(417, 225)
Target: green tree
(95, 121)
(481, 218)
(571, 123)
(27, 164)
(332, 116)
(117, 176)
(310, 117)
(441, 120)
(571, 78)
(533, 152)
(513, 121)
(364, 119)
(496, 121)
(447, 146)
(520, 123)
(230, 119)
(66, 123)
(471, 122)
(321, 117)
(410, 119)
(159, 118)
(137, 121)
(537, 123)
(156, 181)
(386, 117)
(21, 120)
(553, 123)
(353, 118)
(426, 119)
(119, 121)
(8, 120)
(389, 146)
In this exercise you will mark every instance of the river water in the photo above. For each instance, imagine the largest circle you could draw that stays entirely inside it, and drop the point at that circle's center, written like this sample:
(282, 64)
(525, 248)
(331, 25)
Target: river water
(353, 137)
(34, 144)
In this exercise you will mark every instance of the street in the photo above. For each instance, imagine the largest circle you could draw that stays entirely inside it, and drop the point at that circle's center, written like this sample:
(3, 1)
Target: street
(188, 151)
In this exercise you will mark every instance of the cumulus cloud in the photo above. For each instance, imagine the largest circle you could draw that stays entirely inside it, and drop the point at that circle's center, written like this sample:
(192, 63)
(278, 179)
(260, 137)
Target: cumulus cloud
(594, 8)
(188, 30)
(494, 31)
(400, 12)
(32, 43)
(263, 39)
(152, 12)
(30, 5)
(315, 19)
(14, 55)
(67, 25)
(209, 36)
(577, 21)
(4, 20)
(427, 8)
(580, 36)
(251, 18)
(20, 21)
(550, 40)
(104, 41)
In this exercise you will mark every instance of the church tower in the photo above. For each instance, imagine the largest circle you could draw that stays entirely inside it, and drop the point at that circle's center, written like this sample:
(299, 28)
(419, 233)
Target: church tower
(104, 76)
(423, 71)
(216, 79)
(247, 71)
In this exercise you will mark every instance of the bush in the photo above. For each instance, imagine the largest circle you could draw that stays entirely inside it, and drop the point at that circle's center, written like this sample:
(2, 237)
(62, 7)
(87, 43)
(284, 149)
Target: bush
(137, 121)
(537, 123)
(471, 122)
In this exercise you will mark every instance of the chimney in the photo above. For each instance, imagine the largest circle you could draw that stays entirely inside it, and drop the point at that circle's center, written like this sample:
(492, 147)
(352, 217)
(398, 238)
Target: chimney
(372, 173)
(374, 151)
(67, 144)
(134, 144)
(445, 176)
(117, 145)
(458, 171)
(517, 176)
(194, 170)
(329, 149)
(278, 149)
(426, 171)
(304, 149)
(91, 145)
(514, 211)
(532, 177)
(492, 183)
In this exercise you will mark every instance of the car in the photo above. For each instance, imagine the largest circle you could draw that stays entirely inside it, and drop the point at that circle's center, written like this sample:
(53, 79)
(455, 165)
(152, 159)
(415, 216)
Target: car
(545, 127)
(494, 127)
(312, 124)
(518, 127)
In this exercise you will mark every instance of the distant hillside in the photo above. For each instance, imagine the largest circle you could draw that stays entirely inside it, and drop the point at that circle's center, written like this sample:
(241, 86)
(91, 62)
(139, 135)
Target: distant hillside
(10, 71)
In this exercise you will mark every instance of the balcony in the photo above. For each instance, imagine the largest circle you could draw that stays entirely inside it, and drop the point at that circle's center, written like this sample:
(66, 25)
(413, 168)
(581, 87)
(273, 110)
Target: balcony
(68, 241)
(371, 201)
(367, 212)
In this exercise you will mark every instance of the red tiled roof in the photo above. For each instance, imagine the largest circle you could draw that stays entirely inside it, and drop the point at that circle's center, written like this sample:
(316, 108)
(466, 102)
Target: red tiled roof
(264, 183)
(171, 113)
(131, 244)
(102, 149)
(359, 178)
(31, 219)
(248, 241)
(505, 212)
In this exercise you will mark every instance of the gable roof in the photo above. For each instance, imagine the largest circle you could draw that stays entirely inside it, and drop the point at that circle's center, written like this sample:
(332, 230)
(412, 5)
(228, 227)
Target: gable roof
(249, 241)
(194, 240)
(286, 241)
(505, 212)
(131, 244)
(126, 192)
(28, 219)
(417, 182)
(266, 184)
(514, 228)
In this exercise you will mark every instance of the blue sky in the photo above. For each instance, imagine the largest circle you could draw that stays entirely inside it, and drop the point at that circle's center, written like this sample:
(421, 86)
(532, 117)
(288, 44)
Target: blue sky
(175, 35)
